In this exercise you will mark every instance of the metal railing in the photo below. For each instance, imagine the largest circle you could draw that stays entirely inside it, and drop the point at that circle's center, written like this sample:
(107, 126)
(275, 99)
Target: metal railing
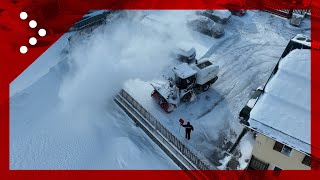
(165, 132)
(297, 11)
(286, 12)
(275, 7)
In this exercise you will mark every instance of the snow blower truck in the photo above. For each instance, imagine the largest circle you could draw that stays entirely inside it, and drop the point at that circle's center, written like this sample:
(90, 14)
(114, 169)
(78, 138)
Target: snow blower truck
(189, 80)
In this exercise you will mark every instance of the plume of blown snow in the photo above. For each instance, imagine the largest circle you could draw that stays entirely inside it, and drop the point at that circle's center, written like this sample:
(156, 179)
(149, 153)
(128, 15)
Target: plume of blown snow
(117, 52)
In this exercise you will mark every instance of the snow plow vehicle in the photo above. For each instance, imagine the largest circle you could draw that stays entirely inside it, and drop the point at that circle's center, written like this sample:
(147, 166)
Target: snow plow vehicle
(189, 80)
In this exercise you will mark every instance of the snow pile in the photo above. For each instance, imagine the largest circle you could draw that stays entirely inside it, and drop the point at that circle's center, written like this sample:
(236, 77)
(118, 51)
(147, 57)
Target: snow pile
(224, 162)
(246, 147)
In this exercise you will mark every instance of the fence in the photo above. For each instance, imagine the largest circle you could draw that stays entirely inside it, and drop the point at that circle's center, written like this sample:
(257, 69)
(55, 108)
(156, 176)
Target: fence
(286, 13)
(297, 11)
(275, 7)
(164, 132)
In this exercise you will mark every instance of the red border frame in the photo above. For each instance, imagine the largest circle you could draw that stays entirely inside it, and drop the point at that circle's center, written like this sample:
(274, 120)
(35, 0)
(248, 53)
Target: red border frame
(13, 34)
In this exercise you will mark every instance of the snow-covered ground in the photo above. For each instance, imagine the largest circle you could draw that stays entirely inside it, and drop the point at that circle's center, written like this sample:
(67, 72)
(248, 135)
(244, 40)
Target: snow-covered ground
(246, 55)
(62, 115)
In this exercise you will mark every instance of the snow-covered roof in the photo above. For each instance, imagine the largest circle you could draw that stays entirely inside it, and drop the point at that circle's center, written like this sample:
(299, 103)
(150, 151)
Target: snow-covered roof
(283, 111)
(185, 46)
(298, 15)
(184, 71)
(186, 51)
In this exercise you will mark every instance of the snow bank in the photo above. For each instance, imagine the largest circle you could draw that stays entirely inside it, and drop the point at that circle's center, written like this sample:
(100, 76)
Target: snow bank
(39, 68)
(246, 147)
(224, 162)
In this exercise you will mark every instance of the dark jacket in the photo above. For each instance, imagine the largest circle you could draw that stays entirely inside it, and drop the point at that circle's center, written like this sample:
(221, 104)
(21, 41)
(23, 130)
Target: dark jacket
(188, 127)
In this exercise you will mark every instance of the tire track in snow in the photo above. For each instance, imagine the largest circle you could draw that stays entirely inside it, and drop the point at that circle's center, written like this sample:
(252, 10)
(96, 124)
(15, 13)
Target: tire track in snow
(227, 42)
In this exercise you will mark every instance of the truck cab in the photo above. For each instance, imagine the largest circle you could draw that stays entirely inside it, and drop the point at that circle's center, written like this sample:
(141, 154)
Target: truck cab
(188, 80)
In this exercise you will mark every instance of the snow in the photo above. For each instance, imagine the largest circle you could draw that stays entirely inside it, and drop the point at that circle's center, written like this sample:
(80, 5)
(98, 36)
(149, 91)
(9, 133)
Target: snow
(173, 25)
(185, 49)
(66, 118)
(285, 105)
(251, 103)
(303, 39)
(246, 147)
(298, 15)
(39, 68)
(206, 70)
(224, 162)
(223, 14)
(187, 52)
(246, 55)
(184, 70)
(195, 17)
(62, 115)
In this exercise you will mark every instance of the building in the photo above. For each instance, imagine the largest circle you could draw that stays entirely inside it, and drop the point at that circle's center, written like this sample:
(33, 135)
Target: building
(279, 114)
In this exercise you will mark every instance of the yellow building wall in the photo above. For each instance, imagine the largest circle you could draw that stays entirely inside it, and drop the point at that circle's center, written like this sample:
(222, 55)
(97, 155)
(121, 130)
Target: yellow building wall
(263, 150)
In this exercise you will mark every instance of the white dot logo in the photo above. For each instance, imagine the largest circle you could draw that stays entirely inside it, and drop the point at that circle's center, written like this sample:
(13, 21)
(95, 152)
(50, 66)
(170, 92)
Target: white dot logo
(42, 32)
(33, 41)
(33, 24)
(23, 15)
(23, 49)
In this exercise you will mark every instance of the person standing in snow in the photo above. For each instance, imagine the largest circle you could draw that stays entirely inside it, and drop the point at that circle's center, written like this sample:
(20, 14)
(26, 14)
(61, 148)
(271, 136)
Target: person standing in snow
(189, 128)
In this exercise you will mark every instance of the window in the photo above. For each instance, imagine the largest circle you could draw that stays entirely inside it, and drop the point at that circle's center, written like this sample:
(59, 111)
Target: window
(204, 64)
(256, 164)
(277, 168)
(245, 113)
(278, 146)
(306, 160)
(286, 150)
(282, 148)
